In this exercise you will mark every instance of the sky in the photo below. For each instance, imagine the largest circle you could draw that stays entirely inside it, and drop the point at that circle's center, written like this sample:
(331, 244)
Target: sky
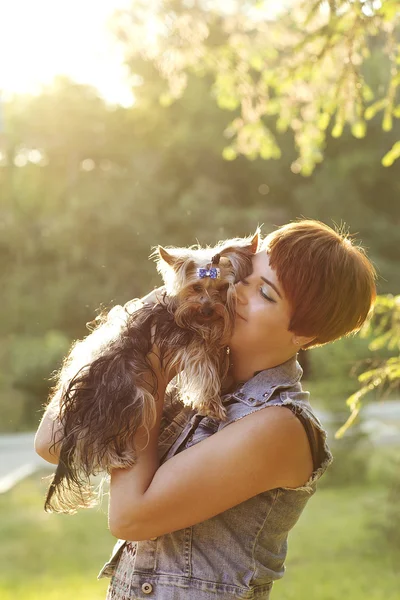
(40, 39)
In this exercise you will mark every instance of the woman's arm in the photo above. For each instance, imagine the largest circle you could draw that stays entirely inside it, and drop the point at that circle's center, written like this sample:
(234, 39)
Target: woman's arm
(128, 486)
(49, 431)
(262, 451)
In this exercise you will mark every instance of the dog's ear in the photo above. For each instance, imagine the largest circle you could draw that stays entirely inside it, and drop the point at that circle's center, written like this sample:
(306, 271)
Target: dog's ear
(240, 253)
(169, 261)
(166, 256)
(255, 241)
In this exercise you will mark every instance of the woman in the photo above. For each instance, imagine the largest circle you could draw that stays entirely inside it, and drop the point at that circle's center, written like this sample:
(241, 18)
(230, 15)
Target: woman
(211, 519)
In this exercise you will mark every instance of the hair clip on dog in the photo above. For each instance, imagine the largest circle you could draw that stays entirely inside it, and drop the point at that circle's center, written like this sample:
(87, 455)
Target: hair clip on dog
(213, 273)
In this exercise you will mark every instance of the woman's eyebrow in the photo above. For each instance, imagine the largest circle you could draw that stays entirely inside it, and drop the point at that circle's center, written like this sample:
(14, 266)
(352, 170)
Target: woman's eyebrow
(273, 286)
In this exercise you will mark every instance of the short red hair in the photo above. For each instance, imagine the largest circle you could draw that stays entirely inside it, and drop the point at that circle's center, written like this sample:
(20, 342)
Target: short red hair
(328, 281)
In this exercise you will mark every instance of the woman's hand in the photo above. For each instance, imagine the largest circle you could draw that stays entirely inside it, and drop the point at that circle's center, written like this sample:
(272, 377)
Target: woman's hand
(154, 296)
(49, 431)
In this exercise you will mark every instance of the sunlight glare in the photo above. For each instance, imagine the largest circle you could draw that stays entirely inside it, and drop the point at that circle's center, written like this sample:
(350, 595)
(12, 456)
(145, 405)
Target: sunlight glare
(41, 39)
(45, 38)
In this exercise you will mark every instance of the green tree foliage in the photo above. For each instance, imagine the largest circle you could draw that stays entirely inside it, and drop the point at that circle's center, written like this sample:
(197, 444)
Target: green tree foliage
(384, 326)
(87, 189)
(308, 69)
(311, 72)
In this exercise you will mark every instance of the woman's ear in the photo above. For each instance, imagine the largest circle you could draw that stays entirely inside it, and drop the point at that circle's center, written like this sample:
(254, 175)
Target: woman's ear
(301, 340)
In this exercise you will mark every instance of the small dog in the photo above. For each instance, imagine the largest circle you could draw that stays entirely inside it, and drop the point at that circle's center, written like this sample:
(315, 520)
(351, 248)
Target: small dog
(103, 393)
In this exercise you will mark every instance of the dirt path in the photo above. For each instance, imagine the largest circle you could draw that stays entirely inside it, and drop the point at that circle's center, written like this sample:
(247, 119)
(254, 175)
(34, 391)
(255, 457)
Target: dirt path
(18, 459)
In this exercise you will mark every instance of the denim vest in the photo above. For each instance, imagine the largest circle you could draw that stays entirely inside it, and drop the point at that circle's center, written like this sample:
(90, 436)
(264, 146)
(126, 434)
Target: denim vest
(240, 552)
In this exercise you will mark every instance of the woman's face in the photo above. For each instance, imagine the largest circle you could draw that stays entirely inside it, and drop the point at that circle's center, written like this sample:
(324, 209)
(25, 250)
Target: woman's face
(263, 315)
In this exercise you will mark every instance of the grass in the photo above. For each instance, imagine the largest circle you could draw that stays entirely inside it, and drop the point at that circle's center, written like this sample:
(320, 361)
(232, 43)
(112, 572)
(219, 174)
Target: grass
(46, 556)
(333, 551)
(336, 553)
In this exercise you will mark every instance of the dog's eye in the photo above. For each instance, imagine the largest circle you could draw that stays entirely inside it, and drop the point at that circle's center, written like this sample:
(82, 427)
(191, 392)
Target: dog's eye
(197, 287)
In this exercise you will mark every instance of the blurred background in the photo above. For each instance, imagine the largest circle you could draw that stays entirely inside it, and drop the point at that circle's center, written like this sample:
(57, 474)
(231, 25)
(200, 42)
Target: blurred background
(127, 124)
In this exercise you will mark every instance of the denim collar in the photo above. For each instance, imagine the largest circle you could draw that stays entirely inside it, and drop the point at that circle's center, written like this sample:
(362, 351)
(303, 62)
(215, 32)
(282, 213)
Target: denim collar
(261, 386)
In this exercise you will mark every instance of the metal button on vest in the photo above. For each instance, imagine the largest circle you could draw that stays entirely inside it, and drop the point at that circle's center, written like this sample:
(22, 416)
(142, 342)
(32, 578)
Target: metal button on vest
(147, 588)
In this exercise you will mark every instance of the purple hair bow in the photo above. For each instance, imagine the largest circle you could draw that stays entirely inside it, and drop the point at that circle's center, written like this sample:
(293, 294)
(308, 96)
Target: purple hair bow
(213, 273)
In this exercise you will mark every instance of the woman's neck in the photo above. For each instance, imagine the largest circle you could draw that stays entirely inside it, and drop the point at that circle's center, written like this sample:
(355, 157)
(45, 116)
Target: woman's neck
(243, 367)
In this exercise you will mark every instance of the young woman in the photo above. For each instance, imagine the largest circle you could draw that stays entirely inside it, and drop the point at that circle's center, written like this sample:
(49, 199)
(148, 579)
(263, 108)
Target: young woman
(206, 511)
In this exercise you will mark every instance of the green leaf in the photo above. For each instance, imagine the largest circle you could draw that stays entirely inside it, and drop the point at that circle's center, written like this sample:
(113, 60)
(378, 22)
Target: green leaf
(392, 155)
(165, 99)
(340, 432)
(388, 10)
(276, 153)
(367, 93)
(257, 63)
(387, 122)
(324, 120)
(269, 77)
(273, 107)
(229, 153)
(359, 129)
(282, 125)
(307, 168)
(228, 102)
(338, 129)
(371, 111)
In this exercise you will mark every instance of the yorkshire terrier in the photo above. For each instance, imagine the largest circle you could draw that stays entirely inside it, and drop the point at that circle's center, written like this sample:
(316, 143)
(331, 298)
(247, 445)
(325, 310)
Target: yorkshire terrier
(102, 392)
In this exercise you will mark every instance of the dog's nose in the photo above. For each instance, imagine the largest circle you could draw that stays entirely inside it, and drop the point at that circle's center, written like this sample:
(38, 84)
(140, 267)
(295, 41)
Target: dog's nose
(207, 311)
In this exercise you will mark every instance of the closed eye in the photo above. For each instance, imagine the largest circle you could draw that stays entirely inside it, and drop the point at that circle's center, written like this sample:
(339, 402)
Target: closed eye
(264, 295)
